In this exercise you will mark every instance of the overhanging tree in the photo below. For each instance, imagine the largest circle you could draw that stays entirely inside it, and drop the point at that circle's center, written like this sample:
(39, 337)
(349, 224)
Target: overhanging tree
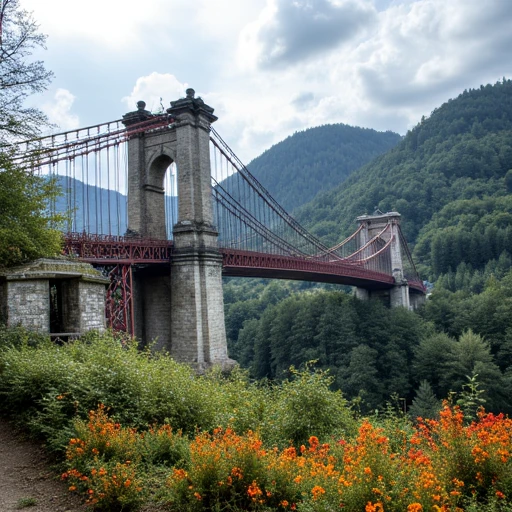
(27, 228)
(20, 77)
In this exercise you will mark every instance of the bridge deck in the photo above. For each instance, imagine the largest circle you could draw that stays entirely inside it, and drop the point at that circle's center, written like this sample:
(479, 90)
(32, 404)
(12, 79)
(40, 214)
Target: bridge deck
(109, 250)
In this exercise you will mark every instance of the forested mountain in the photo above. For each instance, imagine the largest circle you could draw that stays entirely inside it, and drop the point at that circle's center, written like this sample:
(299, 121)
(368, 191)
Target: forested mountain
(89, 208)
(462, 151)
(451, 179)
(317, 159)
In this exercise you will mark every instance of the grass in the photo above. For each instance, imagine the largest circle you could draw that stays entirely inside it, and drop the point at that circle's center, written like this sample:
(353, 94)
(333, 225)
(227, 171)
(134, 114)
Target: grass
(26, 502)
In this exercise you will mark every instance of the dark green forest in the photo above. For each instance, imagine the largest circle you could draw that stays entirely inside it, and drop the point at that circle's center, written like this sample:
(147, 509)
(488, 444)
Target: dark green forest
(317, 159)
(451, 179)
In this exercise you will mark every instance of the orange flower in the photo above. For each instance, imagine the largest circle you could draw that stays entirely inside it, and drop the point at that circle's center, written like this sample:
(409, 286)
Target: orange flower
(378, 507)
(254, 491)
(317, 491)
(414, 507)
(313, 442)
(237, 472)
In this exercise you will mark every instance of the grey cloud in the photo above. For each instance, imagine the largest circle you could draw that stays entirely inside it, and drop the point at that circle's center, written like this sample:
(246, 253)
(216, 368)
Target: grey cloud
(303, 100)
(477, 45)
(302, 28)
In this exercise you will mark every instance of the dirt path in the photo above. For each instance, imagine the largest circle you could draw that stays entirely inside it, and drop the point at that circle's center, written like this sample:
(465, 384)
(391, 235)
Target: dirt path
(25, 476)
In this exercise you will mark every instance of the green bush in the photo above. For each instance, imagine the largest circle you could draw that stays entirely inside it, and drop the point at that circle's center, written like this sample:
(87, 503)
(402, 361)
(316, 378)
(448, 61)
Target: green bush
(303, 405)
(45, 386)
(19, 336)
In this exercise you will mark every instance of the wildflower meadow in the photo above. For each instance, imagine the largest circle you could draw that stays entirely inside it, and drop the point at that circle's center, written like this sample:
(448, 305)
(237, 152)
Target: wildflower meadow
(150, 432)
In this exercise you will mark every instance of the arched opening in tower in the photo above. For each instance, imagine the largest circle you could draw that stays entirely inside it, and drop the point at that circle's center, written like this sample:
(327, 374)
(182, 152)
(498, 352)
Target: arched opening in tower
(171, 199)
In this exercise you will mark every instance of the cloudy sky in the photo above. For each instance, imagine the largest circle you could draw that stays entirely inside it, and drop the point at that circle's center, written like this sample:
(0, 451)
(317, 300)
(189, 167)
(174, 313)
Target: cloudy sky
(270, 67)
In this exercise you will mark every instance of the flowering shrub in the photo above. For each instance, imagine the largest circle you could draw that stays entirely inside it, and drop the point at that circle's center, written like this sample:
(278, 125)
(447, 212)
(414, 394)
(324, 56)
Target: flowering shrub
(107, 486)
(108, 463)
(441, 466)
(265, 456)
(230, 470)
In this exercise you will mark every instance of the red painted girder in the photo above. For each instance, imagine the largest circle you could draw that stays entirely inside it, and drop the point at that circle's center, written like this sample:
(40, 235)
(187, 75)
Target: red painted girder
(233, 258)
(105, 249)
(417, 285)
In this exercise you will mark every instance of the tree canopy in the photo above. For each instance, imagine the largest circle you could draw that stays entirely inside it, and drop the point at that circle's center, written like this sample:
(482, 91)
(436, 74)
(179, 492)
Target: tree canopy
(27, 228)
(19, 77)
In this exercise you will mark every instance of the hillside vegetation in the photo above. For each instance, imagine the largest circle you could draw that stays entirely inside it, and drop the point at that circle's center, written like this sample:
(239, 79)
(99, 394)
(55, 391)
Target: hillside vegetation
(451, 179)
(317, 159)
(135, 431)
(460, 154)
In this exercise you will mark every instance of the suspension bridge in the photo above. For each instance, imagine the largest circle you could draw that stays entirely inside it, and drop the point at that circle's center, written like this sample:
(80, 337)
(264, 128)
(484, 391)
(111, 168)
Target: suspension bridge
(164, 207)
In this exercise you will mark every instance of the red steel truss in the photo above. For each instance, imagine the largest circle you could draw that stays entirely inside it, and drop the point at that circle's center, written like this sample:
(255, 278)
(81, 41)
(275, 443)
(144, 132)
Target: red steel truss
(118, 255)
(255, 264)
(119, 300)
(102, 249)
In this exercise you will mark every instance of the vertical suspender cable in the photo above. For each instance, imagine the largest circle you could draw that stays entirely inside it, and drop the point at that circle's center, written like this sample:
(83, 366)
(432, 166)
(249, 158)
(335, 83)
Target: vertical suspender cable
(109, 153)
(96, 188)
(87, 187)
(116, 188)
(125, 179)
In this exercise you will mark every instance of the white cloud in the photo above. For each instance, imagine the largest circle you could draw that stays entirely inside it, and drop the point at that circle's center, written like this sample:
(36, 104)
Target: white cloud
(155, 89)
(410, 57)
(111, 24)
(59, 112)
(271, 67)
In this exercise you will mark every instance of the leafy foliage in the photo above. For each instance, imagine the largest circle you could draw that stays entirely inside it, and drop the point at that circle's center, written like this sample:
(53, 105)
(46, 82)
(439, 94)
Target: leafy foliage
(46, 385)
(19, 77)
(27, 229)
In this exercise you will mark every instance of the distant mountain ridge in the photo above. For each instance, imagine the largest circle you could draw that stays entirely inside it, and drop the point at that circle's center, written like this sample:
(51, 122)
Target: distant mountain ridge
(314, 160)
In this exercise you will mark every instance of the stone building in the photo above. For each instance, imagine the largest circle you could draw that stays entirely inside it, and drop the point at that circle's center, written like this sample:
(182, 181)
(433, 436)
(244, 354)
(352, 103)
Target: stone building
(59, 296)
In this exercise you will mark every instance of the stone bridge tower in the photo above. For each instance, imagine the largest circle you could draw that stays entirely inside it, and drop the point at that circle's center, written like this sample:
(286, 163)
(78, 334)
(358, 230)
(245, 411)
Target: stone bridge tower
(180, 307)
(399, 294)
